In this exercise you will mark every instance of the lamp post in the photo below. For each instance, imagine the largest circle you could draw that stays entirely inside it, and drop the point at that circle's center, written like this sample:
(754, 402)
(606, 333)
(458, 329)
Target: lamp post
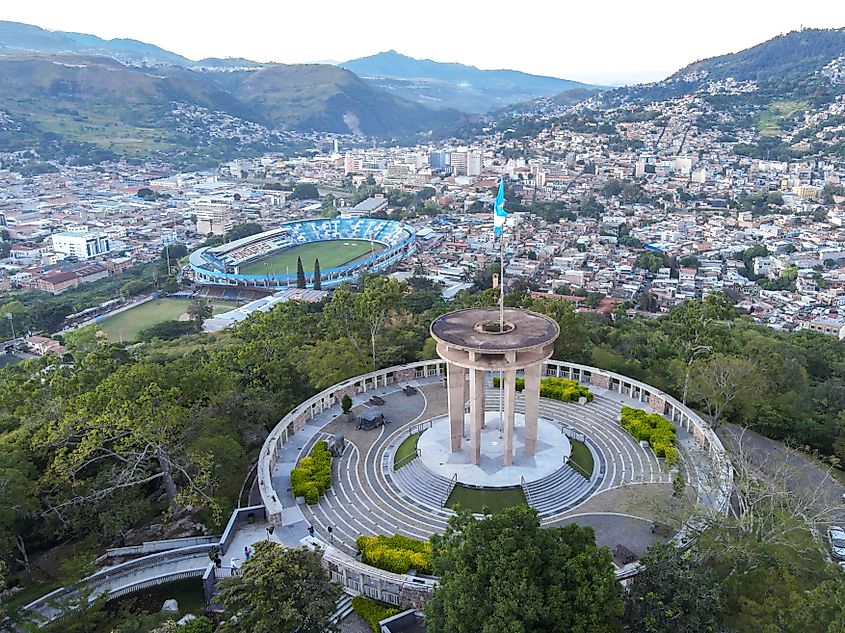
(9, 316)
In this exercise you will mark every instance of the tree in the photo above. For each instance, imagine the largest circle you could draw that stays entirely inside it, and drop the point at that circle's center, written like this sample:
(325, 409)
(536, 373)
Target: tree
(132, 430)
(305, 191)
(244, 230)
(505, 573)
(361, 316)
(199, 311)
(174, 251)
(723, 382)
(318, 283)
(134, 287)
(380, 298)
(280, 590)
(328, 208)
(346, 403)
(697, 327)
(300, 273)
(673, 593)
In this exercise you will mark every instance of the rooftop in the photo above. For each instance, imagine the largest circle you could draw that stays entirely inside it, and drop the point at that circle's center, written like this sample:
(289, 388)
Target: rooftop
(475, 328)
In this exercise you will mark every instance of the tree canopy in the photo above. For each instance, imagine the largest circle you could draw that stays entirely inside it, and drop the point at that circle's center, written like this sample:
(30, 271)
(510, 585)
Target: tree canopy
(505, 573)
(280, 590)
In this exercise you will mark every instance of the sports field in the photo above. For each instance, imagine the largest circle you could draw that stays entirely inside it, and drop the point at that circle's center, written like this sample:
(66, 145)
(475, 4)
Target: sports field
(331, 255)
(125, 326)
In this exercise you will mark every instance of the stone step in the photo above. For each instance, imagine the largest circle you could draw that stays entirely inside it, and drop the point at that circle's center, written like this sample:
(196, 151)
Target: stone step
(344, 608)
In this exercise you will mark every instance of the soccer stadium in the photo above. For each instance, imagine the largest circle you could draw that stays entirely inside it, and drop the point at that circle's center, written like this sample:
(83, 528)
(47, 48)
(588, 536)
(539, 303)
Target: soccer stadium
(344, 247)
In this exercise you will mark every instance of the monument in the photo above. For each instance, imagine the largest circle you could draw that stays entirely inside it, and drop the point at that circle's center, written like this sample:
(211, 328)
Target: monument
(504, 340)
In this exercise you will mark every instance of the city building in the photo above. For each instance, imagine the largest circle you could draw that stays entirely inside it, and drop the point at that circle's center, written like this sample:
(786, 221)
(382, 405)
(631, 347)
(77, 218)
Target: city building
(81, 244)
(213, 216)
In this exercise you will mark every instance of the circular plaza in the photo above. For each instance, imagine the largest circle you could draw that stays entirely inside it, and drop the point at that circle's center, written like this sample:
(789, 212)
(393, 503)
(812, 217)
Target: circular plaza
(381, 487)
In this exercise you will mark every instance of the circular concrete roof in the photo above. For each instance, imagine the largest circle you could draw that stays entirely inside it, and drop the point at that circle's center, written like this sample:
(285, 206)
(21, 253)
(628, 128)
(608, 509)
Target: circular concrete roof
(465, 329)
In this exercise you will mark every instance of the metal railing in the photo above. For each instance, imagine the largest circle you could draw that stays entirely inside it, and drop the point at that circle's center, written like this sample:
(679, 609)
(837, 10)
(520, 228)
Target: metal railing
(525, 490)
(452, 483)
(405, 460)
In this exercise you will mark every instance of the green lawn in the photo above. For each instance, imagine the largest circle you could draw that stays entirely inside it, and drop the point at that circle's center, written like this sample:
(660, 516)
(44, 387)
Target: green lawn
(491, 499)
(582, 458)
(769, 121)
(331, 255)
(407, 448)
(126, 325)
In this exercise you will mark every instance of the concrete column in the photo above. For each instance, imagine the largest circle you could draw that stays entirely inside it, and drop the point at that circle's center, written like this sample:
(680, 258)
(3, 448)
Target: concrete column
(532, 407)
(476, 408)
(457, 400)
(483, 386)
(510, 404)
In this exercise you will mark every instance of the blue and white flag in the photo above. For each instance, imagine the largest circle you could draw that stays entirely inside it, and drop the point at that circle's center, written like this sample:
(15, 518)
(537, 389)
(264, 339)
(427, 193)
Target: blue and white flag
(499, 213)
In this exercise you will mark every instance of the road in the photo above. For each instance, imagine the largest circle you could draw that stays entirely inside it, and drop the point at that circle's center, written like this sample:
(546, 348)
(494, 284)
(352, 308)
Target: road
(807, 473)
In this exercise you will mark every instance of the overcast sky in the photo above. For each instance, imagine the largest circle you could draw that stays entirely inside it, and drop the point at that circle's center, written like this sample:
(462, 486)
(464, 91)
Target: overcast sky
(598, 41)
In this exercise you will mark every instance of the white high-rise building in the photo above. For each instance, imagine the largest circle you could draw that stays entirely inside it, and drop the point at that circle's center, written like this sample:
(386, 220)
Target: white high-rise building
(213, 217)
(473, 164)
(81, 244)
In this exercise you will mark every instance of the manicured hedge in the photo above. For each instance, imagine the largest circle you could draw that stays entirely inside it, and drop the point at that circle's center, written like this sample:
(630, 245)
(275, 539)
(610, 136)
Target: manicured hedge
(520, 383)
(372, 611)
(395, 553)
(313, 474)
(561, 389)
(655, 429)
(564, 389)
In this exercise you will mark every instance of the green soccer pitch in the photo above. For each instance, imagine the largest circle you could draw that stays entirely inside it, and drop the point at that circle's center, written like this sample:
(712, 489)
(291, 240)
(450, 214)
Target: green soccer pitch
(331, 255)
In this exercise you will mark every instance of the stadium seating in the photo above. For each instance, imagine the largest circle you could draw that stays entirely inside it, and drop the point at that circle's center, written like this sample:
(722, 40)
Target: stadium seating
(219, 263)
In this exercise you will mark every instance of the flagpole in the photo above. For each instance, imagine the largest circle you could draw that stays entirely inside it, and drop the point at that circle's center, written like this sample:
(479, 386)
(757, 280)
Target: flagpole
(501, 329)
(501, 323)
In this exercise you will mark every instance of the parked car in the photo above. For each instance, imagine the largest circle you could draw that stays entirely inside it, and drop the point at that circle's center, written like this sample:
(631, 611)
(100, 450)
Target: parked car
(836, 536)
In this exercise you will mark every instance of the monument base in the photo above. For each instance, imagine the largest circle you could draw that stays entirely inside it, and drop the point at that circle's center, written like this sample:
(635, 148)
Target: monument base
(553, 449)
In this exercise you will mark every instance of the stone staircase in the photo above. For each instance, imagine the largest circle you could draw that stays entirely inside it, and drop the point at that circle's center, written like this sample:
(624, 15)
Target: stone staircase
(344, 608)
(422, 485)
(561, 490)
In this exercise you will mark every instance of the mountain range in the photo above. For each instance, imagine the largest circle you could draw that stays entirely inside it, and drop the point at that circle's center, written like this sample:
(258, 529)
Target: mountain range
(79, 97)
(72, 95)
(457, 86)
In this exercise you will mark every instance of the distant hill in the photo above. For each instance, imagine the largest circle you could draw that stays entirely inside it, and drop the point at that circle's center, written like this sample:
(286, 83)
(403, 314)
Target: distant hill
(126, 96)
(16, 37)
(92, 108)
(331, 99)
(791, 56)
(789, 66)
(451, 85)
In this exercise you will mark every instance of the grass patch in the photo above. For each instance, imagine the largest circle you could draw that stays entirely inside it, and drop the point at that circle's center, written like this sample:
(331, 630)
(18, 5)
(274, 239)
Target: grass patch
(769, 122)
(125, 326)
(478, 500)
(582, 458)
(407, 448)
(331, 255)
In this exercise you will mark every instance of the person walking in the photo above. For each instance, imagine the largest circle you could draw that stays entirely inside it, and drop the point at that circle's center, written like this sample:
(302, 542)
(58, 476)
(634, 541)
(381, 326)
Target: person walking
(235, 565)
(247, 552)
